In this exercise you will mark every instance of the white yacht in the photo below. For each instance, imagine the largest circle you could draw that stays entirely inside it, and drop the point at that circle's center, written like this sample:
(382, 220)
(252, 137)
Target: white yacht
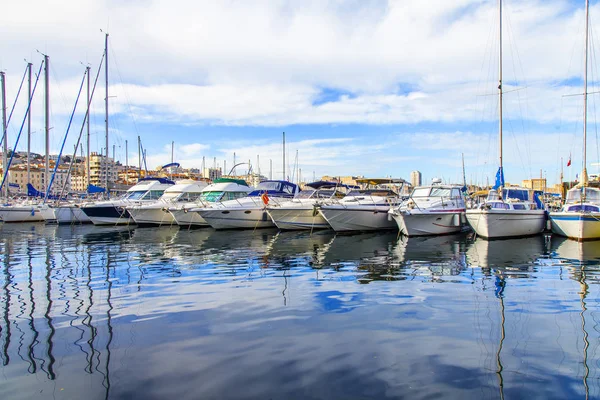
(301, 212)
(25, 211)
(365, 209)
(157, 213)
(431, 210)
(249, 212)
(221, 189)
(114, 212)
(511, 215)
(66, 214)
(579, 218)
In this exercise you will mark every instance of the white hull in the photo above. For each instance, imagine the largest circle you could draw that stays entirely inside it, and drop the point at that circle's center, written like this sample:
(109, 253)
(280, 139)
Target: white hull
(298, 218)
(493, 224)
(359, 218)
(230, 218)
(188, 218)
(576, 225)
(70, 215)
(151, 216)
(428, 223)
(30, 213)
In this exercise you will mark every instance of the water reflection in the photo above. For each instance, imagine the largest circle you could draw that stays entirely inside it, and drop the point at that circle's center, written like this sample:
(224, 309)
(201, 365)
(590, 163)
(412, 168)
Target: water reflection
(167, 313)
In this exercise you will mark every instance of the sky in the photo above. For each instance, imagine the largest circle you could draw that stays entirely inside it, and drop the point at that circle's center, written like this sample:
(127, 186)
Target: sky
(360, 87)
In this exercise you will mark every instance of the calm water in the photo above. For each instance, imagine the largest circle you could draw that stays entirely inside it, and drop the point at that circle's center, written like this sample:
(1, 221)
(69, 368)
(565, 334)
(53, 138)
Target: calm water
(92, 313)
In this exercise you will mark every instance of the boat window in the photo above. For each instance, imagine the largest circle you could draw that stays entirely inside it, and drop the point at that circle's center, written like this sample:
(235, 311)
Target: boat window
(493, 195)
(517, 194)
(171, 195)
(211, 197)
(519, 207)
(269, 186)
(153, 194)
(455, 193)
(573, 195)
(306, 194)
(135, 195)
(584, 208)
(592, 194)
(421, 192)
(439, 192)
(499, 206)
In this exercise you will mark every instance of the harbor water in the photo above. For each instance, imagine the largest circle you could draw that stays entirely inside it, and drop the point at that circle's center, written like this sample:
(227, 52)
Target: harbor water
(110, 313)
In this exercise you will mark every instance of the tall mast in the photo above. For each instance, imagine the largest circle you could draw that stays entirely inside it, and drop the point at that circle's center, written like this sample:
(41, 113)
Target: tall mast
(4, 138)
(258, 165)
(47, 117)
(29, 65)
(500, 84)
(270, 168)
(88, 127)
(139, 157)
(106, 104)
(584, 177)
(284, 156)
(126, 163)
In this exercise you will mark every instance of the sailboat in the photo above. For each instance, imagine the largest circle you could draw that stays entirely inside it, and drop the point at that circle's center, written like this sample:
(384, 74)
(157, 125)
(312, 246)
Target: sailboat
(579, 218)
(507, 212)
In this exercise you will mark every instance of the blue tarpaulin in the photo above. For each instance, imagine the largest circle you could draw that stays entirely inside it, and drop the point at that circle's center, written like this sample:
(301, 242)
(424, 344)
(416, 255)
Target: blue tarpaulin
(95, 189)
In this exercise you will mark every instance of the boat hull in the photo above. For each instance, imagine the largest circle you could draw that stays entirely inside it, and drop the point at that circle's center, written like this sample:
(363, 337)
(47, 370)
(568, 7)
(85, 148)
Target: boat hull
(220, 218)
(493, 224)
(298, 218)
(576, 225)
(29, 213)
(188, 218)
(66, 215)
(151, 216)
(108, 214)
(359, 218)
(428, 224)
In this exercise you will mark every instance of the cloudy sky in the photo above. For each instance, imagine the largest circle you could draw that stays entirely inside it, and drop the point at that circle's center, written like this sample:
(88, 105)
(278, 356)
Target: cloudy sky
(360, 87)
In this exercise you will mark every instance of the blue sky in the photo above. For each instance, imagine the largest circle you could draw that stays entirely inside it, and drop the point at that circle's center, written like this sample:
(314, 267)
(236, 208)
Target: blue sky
(374, 88)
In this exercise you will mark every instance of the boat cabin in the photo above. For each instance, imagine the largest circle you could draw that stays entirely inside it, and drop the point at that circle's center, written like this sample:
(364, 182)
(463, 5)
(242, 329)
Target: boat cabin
(276, 189)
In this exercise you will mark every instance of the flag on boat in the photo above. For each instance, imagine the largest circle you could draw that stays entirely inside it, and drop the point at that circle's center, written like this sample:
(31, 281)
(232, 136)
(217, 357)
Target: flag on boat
(569, 162)
(499, 179)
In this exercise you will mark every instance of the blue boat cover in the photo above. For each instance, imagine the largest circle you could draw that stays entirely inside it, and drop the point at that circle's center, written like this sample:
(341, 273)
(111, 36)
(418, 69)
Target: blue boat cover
(95, 189)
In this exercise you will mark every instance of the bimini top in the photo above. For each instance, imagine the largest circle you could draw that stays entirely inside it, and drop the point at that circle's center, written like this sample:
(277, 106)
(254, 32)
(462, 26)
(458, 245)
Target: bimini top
(164, 181)
(275, 188)
(231, 180)
(380, 181)
(329, 185)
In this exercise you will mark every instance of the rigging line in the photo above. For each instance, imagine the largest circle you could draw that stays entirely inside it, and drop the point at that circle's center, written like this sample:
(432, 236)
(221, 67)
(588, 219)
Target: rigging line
(514, 50)
(22, 125)
(13, 107)
(87, 114)
(114, 57)
(57, 162)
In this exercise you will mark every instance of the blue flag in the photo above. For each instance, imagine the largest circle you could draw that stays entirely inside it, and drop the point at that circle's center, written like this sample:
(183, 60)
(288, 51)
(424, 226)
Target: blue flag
(499, 179)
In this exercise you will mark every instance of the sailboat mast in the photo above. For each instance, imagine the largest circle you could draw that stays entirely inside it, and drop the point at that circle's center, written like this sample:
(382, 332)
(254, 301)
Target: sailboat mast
(88, 128)
(29, 65)
(500, 83)
(284, 156)
(47, 117)
(585, 74)
(106, 104)
(4, 138)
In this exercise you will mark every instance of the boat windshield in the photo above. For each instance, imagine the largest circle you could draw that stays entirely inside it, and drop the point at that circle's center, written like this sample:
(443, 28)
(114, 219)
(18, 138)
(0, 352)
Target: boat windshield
(439, 192)
(269, 186)
(516, 194)
(189, 197)
(583, 207)
(592, 195)
(372, 192)
(211, 197)
(135, 195)
(421, 192)
(306, 194)
(171, 196)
